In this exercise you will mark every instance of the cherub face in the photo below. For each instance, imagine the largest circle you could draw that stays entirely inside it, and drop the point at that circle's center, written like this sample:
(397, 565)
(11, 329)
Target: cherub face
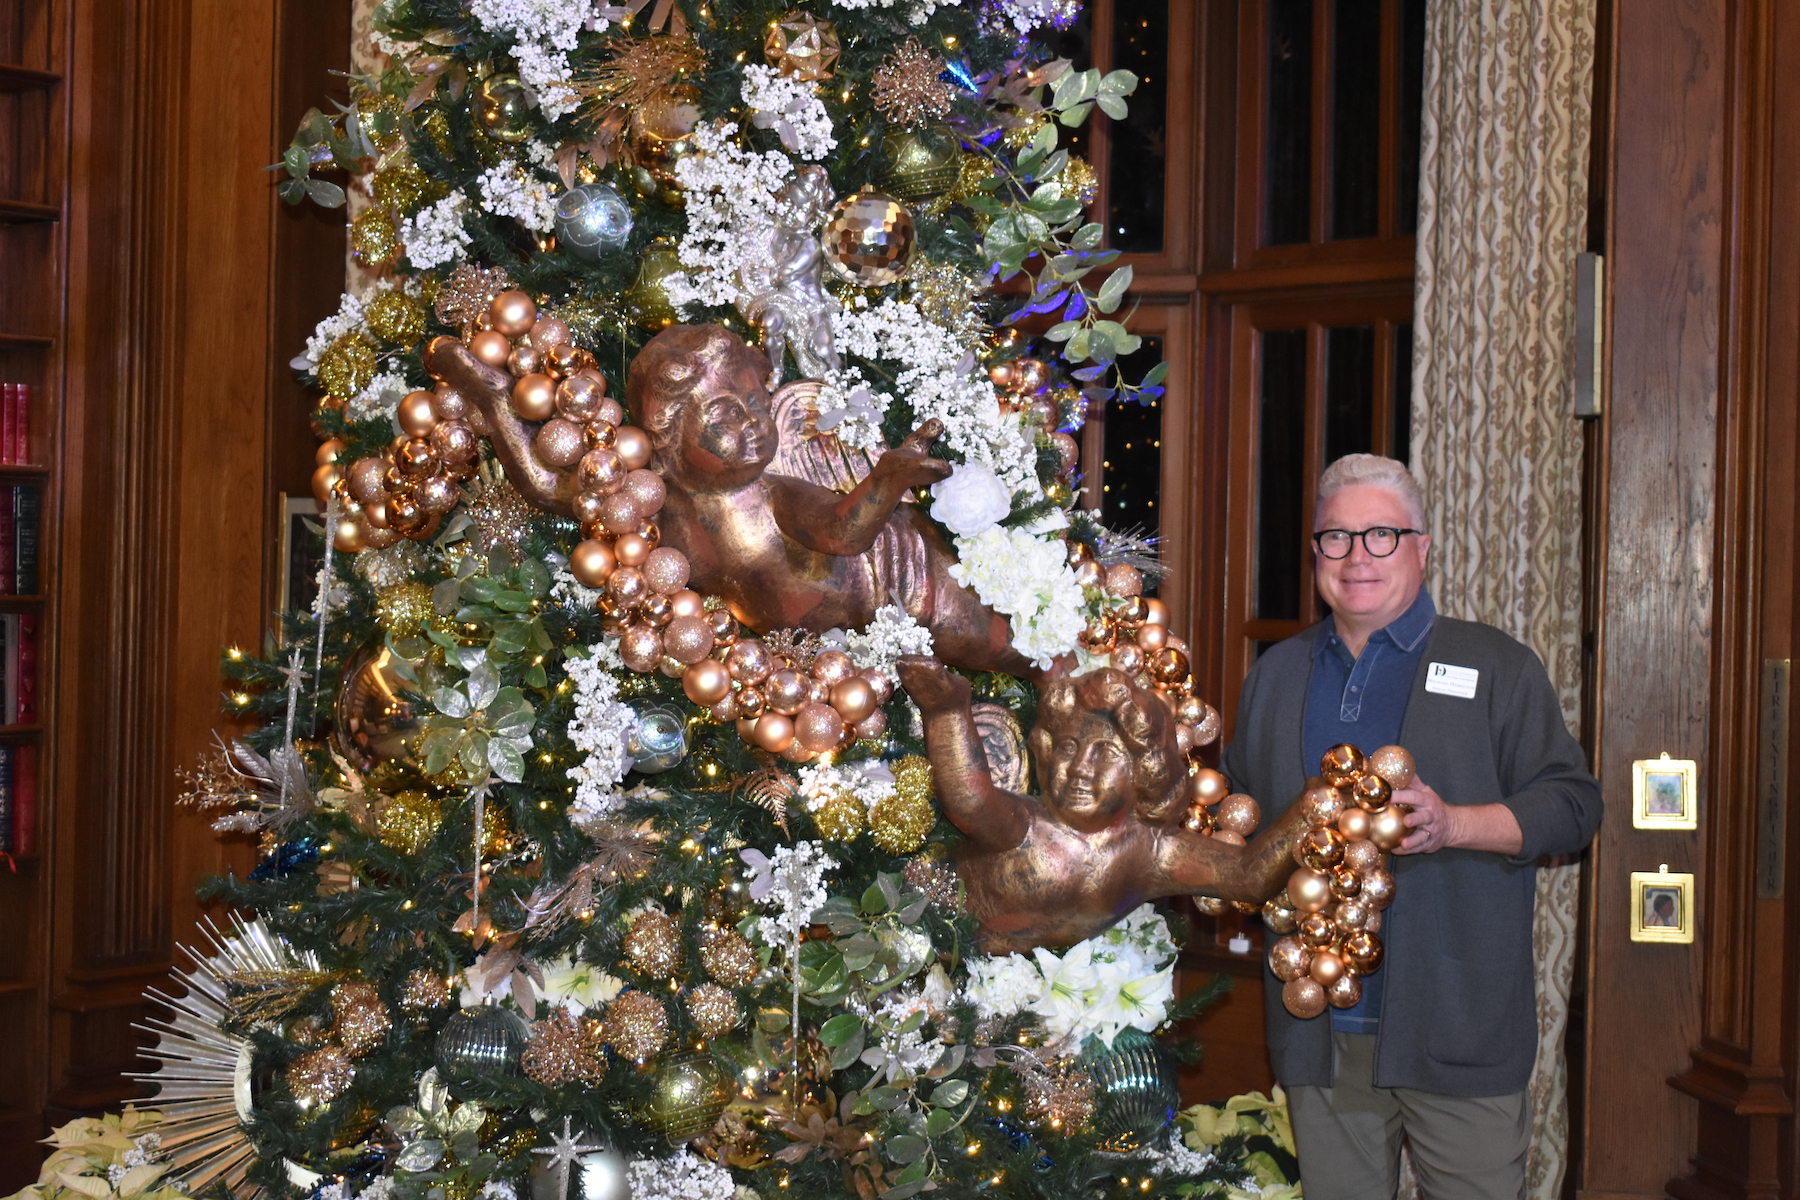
(724, 435)
(1088, 780)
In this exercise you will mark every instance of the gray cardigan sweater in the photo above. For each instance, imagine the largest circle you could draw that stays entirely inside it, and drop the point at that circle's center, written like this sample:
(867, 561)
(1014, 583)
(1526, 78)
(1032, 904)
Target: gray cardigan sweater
(1459, 1014)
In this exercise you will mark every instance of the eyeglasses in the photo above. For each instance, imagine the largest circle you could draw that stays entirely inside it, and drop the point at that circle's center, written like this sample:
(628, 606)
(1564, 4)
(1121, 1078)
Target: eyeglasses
(1380, 541)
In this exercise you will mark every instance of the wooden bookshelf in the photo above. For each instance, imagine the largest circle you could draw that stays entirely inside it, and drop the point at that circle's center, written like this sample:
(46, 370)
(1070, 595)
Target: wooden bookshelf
(34, 49)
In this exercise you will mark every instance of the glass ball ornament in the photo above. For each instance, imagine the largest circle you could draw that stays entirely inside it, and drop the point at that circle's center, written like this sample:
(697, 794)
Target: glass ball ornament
(913, 171)
(592, 218)
(1136, 1088)
(869, 239)
(648, 300)
(596, 1174)
(480, 1045)
(503, 108)
(688, 1092)
(374, 719)
(660, 740)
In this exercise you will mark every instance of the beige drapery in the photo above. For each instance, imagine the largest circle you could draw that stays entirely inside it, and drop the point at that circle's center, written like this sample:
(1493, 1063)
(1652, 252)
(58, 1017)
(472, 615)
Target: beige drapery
(1502, 214)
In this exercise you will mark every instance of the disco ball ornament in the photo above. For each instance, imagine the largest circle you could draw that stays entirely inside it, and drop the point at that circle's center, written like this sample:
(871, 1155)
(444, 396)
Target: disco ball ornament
(592, 218)
(688, 1092)
(913, 172)
(591, 1172)
(503, 108)
(480, 1045)
(660, 740)
(869, 239)
(375, 721)
(1136, 1089)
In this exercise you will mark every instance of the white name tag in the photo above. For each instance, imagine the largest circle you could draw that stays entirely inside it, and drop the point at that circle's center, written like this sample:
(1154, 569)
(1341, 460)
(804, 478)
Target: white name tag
(1447, 680)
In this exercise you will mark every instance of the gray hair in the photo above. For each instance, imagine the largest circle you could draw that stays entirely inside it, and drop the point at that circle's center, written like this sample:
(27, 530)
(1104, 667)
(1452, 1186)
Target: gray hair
(1372, 470)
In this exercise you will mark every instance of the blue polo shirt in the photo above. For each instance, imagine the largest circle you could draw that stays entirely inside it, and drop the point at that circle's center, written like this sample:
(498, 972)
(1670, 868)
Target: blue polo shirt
(1362, 700)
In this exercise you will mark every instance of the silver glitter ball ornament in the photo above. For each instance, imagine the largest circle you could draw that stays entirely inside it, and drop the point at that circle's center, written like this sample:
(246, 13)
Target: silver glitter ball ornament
(660, 740)
(592, 218)
(480, 1045)
(1136, 1090)
(869, 239)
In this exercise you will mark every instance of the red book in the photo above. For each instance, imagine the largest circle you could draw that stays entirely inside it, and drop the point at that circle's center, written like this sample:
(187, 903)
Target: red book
(9, 415)
(22, 425)
(24, 837)
(25, 664)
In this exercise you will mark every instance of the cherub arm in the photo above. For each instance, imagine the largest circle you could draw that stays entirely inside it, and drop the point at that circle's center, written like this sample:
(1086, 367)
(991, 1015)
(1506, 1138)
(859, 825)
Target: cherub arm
(488, 389)
(1196, 865)
(991, 817)
(822, 520)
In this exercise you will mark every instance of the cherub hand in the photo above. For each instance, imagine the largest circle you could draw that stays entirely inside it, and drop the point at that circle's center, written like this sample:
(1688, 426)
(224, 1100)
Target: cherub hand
(908, 464)
(932, 685)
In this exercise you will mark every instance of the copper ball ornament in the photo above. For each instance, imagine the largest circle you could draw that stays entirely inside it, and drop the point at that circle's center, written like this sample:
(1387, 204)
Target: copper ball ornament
(619, 512)
(646, 490)
(559, 443)
(601, 471)
(1228, 837)
(626, 585)
(1303, 997)
(416, 414)
(491, 348)
(365, 480)
(633, 550)
(1378, 888)
(1362, 857)
(773, 732)
(1320, 849)
(749, 661)
(1371, 792)
(512, 313)
(1363, 951)
(454, 442)
(872, 727)
(707, 682)
(1352, 914)
(633, 445)
(1341, 765)
(1387, 828)
(1393, 764)
(449, 404)
(437, 494)
(818, 727)
(1127, 658)
(591, 563)
(787, 692)
(1168, 665)
(524, 359)
(1279, 917)
(1209, 786)
(1316, 930)
(534, 397)
(1289, 959)
(1322, 806)
(1353, 823)
(1345, 883)
(1239, 813)
(666, 570)
(1123, 579)
(641, 648)
(853, 698)
(1345, 992)
(688, 640)
(1326, 967)
(750, 705)
(548, 331)
(1310, 890)
(868, 239)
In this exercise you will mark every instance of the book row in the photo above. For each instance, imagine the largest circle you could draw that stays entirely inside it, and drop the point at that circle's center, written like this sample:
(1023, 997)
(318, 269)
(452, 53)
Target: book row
(15, 423)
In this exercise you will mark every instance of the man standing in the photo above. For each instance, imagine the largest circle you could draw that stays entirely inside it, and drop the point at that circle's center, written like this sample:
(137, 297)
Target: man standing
(1439, 1050)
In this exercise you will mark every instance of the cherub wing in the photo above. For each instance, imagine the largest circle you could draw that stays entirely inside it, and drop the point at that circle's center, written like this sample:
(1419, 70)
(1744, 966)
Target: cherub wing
(802, 451)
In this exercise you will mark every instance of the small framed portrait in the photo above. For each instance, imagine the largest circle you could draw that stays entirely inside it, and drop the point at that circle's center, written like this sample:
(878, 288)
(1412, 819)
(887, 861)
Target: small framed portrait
(1662, 793)
(1662, 906)
(302, 553)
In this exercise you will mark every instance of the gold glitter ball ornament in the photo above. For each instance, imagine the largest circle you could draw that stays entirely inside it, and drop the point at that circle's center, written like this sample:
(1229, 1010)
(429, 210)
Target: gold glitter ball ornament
(915, 171)
(841, 818)
(945, 297)
(564, 1049)
(687, 1095)
(653, 944)
(908, 89)
(395, 317)
(729, 958)
(1061, 1097)
(802, 47)
(320, 1076)
(637, 1026)
(404, 609)
(407, 822)
(374, 239)
(1078, 180)
(900, 823)
(347, 367)
(401, 187)
(714, 1009)
(869, 239)
(423, 991)
(360, 1019)
(497, 838)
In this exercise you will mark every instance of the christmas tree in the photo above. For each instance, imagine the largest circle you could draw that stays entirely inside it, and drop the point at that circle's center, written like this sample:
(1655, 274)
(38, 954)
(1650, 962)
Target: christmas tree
(603, 850)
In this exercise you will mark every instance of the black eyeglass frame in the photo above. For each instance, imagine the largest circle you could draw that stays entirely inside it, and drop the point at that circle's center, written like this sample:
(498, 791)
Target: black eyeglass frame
(1354, 534)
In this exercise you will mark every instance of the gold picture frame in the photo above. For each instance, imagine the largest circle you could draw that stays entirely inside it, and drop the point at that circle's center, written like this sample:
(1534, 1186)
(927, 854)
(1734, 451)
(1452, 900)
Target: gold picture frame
(1663, 793)
(1662, 906)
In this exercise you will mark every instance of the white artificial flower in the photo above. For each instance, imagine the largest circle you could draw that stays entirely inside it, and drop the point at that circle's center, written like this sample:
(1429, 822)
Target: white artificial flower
(792, 881)
(1029, 581)
(498, 1189)
(508, 190)
(790, 107)
(578, 986)
(543, 33)
(851, 409)
(917, 11)
(347, 319)
(434, 236)
(971, 500)
(733, 201)
(1001, 986)
(601, 729)
(890, 635)
(820, 783)
(380, 399)
(686, 1176)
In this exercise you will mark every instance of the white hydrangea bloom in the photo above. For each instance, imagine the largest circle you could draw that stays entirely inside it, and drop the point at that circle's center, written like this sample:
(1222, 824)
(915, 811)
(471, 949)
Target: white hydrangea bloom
(790, 107)
(380, 399)
(891, 634)
(508, 190)
(347, 319)
(733, 204)
(602, 728)
(543, 33)
(686, 1176)
(792, 881)
(1003, 985)
(434, 236)
(1028, 580)
(820, 783)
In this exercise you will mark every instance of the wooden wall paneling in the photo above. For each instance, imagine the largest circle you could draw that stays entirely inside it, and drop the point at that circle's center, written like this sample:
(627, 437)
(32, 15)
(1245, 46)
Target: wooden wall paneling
(1654, 665)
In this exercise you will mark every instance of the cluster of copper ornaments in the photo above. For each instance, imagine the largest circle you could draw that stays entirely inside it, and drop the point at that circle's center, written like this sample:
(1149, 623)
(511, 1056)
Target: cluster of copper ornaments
(1134, 633)
(1215, 811)
(791, 702)
(1028, 385)
(1330, 913)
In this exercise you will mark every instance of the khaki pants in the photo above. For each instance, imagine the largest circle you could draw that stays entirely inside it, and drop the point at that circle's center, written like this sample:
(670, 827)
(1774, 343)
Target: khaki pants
(1349, 1136)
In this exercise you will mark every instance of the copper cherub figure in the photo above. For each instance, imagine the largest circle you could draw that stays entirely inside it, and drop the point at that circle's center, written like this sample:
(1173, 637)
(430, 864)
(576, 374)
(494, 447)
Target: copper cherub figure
(1107, 832)
(791, 531)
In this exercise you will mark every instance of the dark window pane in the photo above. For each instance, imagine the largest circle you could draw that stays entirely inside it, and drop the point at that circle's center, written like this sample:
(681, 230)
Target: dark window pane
(1131, 469)
(1355, 118)
(1412, 95)
(1349, 391)
(1139, 151)
(1403, 357)
(1280, 474)
(1287, 172)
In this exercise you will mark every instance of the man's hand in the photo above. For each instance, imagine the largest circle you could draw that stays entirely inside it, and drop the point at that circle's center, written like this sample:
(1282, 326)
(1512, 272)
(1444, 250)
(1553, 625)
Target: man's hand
(1436, 825)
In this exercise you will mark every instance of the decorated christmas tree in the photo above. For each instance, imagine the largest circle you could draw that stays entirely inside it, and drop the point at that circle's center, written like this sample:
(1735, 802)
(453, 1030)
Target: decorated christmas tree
(722, 759)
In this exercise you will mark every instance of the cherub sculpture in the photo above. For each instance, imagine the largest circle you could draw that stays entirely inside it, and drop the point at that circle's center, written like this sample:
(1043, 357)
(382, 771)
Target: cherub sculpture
(1107, 832)
(783, 290)
(745, 506)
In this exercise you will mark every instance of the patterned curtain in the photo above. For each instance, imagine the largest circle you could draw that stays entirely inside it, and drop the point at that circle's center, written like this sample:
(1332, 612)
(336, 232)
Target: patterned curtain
(1502, 214)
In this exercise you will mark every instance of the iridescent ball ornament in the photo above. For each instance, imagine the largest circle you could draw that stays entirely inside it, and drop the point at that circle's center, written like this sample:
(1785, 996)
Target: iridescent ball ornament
(592, 218)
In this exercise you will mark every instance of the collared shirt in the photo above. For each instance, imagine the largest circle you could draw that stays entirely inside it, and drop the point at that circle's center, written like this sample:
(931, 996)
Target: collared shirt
(1361, 699)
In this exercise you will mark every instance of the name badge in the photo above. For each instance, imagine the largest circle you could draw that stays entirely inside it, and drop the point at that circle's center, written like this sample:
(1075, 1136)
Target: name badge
(1448, 680)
